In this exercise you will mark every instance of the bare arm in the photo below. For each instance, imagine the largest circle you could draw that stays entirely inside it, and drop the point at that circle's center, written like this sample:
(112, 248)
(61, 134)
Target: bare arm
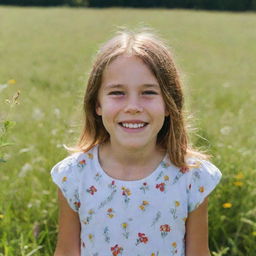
(68, 243)
(197, 231)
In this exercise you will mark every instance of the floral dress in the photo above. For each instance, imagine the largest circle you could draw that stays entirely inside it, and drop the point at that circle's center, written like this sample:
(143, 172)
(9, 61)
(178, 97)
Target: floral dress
(144, 217)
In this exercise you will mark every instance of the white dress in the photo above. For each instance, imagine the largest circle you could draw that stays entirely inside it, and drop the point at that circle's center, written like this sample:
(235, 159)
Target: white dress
(132, 218)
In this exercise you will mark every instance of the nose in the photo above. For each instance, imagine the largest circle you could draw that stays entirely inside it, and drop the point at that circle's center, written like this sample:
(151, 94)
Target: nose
(133, 105)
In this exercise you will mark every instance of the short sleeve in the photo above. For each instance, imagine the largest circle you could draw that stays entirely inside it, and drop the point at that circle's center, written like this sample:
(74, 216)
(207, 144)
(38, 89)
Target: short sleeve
(201, 182)
(65, 175)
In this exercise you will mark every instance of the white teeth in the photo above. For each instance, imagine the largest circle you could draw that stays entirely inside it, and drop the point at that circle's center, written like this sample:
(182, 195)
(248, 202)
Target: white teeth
(133, 126)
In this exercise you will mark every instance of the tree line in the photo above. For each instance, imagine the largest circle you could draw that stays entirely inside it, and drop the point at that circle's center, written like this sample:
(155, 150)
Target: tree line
(232, 5)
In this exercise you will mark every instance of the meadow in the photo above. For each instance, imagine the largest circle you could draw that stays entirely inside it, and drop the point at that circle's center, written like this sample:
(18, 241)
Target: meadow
(46, 54)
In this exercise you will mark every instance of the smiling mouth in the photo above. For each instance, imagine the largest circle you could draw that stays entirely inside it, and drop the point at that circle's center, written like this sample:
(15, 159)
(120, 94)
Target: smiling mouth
(133, 125)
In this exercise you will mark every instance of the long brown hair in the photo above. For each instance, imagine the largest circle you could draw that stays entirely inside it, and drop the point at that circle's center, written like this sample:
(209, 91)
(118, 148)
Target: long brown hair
(173, 136)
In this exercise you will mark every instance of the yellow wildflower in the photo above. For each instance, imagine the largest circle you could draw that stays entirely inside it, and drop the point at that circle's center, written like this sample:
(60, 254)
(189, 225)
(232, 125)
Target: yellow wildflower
(238, 183)
(227, 205)
(142, 207)
(254, 233)
(239, 176)
(166, 177)
(1, 216)
(11, 81)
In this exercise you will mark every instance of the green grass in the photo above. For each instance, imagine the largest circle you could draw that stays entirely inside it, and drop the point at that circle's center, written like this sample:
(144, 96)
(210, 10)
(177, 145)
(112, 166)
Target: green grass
(49, 51)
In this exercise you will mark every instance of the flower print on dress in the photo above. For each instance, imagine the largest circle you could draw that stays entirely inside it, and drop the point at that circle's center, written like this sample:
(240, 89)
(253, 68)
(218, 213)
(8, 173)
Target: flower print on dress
(165, 164)
(90, 155)
(157, 217)
(159, 175)
(88, 218)
(116, 250)
(142, 238)
(154, 254)
(177, 177)
(144, 187)
(64, 179)
(174, 250)
(161, 186)
(108, 199)
(110, 213)
(77, 202)
(81, 163)
(126, 193)
(91, 237)
(165, 229)
(91, 190)
(174, 210)
(106, 234)
(144, 205)
(125, 228)
(112, 185)
(97, 176)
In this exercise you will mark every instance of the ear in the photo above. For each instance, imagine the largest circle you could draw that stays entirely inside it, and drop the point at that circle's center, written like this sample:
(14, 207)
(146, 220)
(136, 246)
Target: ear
(98, 109)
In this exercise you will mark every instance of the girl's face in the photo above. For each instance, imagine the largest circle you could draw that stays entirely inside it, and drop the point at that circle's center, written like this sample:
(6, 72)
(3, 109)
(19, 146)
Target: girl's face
(130, 103)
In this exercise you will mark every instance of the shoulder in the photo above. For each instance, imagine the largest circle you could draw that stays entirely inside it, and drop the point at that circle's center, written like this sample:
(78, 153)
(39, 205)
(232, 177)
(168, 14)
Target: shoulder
(201, 181)
(71, 167)
(203, 169)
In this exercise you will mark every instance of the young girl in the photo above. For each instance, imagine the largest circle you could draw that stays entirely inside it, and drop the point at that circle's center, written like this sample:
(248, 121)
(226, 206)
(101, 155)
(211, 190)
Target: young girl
(134, 186)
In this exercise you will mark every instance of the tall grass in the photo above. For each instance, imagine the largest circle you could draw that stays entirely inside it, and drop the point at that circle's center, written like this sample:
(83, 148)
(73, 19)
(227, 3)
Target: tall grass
(48, 52)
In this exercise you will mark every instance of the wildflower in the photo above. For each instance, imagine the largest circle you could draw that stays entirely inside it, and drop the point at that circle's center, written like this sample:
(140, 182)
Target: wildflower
(227, 205)
(254, 233)
(11, 82)
(238, 183)
(1, 216)
(239, 176)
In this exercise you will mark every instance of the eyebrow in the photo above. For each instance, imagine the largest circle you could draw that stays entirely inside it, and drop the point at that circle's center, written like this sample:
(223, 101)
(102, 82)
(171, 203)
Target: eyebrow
(116, 86)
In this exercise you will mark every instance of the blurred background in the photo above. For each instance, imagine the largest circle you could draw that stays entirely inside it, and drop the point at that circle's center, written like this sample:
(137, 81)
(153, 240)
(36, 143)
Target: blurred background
(45, 56)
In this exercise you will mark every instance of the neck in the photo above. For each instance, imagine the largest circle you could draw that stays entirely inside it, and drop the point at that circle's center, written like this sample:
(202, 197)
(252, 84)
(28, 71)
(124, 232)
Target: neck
(129, 164)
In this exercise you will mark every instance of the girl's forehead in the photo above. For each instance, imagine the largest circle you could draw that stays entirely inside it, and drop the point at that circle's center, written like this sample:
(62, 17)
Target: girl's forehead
(128, 69)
